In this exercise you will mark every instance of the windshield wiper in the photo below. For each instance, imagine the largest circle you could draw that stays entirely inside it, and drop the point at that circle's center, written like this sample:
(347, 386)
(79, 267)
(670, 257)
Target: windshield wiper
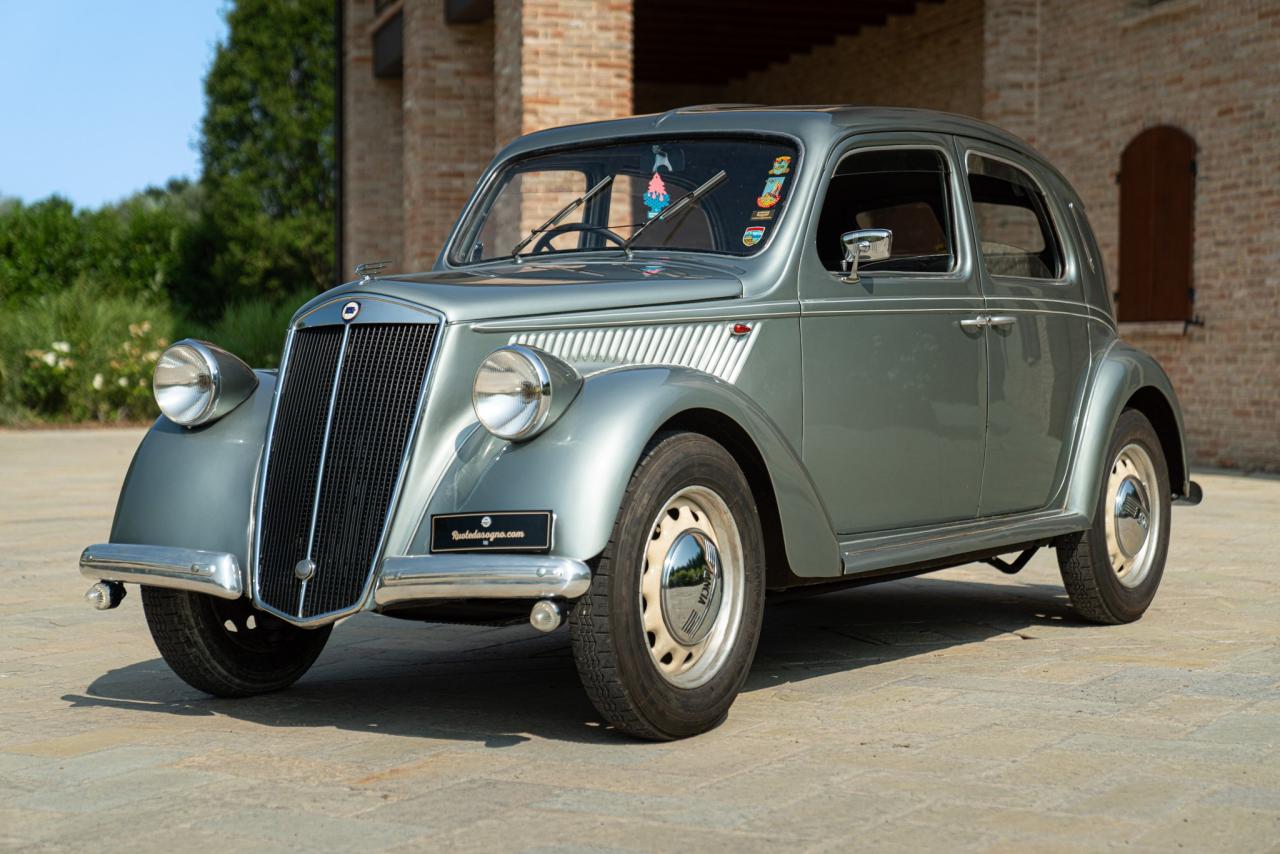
(682, 205)
(561, 214)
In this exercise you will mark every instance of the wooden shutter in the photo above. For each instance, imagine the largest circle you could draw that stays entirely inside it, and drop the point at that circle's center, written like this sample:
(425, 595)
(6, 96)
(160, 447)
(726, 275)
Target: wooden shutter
(1157, 200)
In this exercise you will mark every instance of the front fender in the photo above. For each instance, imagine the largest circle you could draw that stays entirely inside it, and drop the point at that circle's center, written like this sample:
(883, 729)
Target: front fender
(193, 489)
(579, 468)
(1123, 372)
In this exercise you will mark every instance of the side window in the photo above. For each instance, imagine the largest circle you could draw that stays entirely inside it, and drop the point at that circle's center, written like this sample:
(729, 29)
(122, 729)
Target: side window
(901, 189)
(1015, 231)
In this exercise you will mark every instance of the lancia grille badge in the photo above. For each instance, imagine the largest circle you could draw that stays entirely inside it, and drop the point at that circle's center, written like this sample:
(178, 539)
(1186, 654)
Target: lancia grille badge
(486, 522)
(304, 569)
(350, 310)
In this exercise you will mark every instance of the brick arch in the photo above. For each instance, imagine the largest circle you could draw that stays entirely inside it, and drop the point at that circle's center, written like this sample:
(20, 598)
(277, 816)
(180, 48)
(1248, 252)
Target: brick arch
(1157, 226)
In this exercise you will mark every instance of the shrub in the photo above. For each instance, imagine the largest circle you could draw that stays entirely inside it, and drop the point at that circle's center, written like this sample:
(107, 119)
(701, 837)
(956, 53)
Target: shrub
(255, 330)
(76, 356)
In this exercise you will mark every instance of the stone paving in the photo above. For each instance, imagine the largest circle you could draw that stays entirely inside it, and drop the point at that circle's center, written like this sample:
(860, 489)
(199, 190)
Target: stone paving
(960, 711)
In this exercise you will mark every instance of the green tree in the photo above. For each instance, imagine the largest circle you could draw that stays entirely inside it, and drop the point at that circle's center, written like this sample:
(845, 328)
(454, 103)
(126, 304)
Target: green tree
(269, 157)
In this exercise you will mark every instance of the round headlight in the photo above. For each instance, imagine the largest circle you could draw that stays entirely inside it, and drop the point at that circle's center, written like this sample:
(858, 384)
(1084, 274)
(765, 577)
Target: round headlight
(186, 384)
(196, 382)
(520, 391)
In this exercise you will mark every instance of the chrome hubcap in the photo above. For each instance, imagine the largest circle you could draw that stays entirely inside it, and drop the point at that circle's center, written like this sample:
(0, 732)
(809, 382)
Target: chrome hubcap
(1131, 518)
(691, 589)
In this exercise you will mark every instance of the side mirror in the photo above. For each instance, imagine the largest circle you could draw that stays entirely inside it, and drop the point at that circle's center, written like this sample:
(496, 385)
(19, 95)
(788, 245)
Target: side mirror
(867, 244)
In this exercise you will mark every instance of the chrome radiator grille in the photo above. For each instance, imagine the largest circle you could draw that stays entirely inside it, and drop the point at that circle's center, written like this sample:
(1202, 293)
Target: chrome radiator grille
(347, 404)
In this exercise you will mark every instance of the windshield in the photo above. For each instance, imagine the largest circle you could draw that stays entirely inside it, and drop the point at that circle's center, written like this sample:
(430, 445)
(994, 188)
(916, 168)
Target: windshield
(619, 188)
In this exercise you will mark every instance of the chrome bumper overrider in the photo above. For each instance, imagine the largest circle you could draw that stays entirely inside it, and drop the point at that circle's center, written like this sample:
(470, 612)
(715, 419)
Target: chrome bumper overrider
(402, 580)
(215, 573)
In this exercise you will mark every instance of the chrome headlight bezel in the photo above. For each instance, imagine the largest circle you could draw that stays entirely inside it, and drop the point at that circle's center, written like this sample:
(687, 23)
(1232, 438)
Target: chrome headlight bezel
(546, 389)
(224, 382)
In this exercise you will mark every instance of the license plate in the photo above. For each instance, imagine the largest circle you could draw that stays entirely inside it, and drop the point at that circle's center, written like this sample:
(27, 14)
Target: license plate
(524, 531)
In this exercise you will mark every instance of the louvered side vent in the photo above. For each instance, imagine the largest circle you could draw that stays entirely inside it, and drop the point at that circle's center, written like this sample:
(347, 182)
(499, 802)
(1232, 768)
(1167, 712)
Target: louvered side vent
(709, 347)
(330, 503)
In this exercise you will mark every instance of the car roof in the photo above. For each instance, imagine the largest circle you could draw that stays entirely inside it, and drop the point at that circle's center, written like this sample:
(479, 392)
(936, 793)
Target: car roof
(816, 125)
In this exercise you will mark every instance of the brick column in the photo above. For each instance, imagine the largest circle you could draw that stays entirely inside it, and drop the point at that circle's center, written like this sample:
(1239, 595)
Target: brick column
(560, 61)
(448, 123)
(372, 202)
(1011, 65)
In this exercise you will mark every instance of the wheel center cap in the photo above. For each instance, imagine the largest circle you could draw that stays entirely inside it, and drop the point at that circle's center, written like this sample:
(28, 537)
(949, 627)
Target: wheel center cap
(1132, 516)
(691, 587)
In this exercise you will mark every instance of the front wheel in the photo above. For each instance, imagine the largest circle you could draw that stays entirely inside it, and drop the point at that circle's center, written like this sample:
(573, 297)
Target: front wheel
(666, 635)
(225, 647)
(1112, 570)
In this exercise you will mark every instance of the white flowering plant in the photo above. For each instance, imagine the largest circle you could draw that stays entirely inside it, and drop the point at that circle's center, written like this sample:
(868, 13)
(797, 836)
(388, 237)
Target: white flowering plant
(75, 358)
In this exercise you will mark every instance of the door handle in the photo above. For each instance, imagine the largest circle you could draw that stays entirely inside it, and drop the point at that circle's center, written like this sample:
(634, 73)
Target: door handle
(979, 322)
(1001, 320)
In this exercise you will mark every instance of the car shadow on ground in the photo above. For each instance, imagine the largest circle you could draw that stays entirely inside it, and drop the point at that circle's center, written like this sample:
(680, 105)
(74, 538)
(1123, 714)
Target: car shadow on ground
(498, 686)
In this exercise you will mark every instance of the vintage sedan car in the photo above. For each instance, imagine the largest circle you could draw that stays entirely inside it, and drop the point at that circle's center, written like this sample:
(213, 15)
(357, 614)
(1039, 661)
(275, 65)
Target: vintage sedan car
(663, 365)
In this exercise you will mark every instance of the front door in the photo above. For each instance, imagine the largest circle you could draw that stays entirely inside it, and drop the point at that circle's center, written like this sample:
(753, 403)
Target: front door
(1039, 338)
(894, 384)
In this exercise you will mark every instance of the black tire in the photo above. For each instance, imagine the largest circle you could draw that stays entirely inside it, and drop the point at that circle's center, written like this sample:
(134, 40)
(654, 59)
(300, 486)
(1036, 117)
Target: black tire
(1094, 587)
(609, 641)
(263, 653)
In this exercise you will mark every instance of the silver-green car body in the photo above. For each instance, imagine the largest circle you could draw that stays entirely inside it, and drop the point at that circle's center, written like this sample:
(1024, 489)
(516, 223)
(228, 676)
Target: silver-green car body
(899, 423)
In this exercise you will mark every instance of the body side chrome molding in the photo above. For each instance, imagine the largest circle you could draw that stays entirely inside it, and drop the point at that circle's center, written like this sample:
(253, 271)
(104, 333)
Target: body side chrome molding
(683, 313)
(215, 573)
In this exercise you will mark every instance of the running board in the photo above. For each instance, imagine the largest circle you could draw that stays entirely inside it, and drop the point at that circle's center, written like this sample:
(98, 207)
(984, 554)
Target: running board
(875, 552)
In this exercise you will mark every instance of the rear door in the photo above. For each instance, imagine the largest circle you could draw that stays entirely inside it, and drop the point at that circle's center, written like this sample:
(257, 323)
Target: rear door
(1038, 337)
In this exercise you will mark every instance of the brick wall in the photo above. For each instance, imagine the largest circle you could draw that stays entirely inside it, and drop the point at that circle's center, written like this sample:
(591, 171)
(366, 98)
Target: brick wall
(373, 204)
(561, 61)
(1108, 70)
(1080, 78)
(448, 123)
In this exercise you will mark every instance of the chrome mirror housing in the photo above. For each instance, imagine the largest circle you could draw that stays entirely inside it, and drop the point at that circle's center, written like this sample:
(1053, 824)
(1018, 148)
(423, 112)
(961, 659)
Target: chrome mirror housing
(866, 244)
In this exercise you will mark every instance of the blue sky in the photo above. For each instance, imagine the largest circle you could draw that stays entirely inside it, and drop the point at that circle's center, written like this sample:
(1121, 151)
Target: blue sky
(100, 99)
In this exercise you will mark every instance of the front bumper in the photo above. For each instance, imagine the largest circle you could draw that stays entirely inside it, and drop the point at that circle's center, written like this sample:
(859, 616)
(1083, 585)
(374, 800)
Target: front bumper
(401, 580)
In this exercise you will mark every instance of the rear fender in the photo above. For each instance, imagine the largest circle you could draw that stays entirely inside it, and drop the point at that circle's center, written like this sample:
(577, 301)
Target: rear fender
(1126, 378)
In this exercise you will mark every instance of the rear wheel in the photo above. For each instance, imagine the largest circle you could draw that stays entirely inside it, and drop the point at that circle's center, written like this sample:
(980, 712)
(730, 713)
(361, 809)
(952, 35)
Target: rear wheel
(225, 647)
(1111, 571)
(666, 635)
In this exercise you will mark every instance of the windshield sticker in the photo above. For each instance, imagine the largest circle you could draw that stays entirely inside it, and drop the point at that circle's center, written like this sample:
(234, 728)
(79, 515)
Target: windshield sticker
(761, 215)
(772, 193)
(753, 235)
(656, 198)
(781, 166)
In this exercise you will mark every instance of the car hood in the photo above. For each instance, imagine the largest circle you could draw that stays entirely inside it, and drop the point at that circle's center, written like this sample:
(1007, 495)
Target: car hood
(534, 288)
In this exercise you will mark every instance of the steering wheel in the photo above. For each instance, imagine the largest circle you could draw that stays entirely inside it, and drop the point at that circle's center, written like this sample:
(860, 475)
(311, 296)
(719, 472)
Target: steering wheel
(543, 243)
